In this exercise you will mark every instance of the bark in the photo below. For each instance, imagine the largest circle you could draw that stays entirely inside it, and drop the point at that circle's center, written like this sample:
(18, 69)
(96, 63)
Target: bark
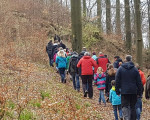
(128, 26)
(118, 25)
(99, 14)
(76, 25)
(108, 17)
(148, 2)
(84, 8)
(139, 46)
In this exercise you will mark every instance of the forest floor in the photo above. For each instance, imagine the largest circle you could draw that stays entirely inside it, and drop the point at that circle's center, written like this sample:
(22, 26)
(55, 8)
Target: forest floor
(34, 91)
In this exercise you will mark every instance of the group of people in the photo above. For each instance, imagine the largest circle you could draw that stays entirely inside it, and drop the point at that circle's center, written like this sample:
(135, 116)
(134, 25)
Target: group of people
(121, 83)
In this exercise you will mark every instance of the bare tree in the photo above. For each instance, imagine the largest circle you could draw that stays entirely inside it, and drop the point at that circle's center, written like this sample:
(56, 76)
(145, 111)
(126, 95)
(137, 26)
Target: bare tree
(139, 46)
(127, 26)
(84, 8)
(76, 25)
(148, 2)
(118, 26)
(108, 17)
(99, 14)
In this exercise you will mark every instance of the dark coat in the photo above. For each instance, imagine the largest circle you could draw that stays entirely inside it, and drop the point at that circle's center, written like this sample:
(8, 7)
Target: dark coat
(62, 45)
(49, 48)
(147, 88)
(75, 70)
(54, 49)
(128, 79)
(110, 76)
(116, 63)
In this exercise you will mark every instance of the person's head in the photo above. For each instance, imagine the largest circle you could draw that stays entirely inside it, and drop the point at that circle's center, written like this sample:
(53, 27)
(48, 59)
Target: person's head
(113, 83)
(128, 58)
(107, 65)
(99, 70)
(105, 56)
(50, 41)
(110, 66)
(94, 53)
(86, 54)
(120, 63)
(60, 48)
(116, 57)
(84, 49)
(61, 53)
(137, 66)
(100, 53)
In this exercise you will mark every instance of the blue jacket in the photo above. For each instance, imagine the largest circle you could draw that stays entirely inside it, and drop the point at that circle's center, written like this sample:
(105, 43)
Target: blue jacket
(128, 79)
(94, 57)
(61, 62)
(114, 98)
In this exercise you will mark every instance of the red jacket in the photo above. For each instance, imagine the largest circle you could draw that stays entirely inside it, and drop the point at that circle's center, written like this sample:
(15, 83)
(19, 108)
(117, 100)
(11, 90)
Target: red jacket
(86, 63)
(102, 62)
(142, 77)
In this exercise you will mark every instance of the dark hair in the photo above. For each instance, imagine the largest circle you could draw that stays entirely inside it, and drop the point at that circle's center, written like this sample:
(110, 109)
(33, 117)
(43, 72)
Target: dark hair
(94, 53)
(113, 83)
(117, 57)
(128, 58)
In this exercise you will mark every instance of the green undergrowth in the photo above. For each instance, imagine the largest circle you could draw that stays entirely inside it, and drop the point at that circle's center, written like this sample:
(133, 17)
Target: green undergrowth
(91, 35)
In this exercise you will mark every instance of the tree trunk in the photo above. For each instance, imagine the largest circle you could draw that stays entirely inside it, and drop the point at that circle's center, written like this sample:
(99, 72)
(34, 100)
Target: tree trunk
(148, 2)
(99, 14)
(76, 25)
(66, 3)
(84, 8)
(108, 17)
(127, 26)
(118, 26)
(139, 46)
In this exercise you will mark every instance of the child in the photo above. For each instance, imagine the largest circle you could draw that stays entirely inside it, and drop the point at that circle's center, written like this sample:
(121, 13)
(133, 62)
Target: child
(99, 80)
(116, 101)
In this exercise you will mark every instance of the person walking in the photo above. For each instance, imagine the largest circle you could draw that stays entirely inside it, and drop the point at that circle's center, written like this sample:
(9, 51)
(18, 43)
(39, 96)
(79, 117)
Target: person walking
(138, 105)
(102, 61)
(110, 76)
(61, 64)
(49, 52)
(115, 101)
(100, 80)
(74, 71)
(129, 85)
(86, 63)
(147, 87)
(117, 61)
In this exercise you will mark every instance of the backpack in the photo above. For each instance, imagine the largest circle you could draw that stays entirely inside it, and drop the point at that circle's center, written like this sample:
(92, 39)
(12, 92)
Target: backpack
(73, 64)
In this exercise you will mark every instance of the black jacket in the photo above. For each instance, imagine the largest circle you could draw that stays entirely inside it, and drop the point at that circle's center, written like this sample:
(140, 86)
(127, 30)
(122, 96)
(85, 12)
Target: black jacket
(116, 63)
(49, 48)
(109, 77)
(128, 79)
(54, 49)
(147, 88)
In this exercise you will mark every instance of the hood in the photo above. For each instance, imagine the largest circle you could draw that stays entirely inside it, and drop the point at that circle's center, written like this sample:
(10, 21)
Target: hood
(128, 65)
(101, 55)
(86, 57)
(82, 53)
(74, 55)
